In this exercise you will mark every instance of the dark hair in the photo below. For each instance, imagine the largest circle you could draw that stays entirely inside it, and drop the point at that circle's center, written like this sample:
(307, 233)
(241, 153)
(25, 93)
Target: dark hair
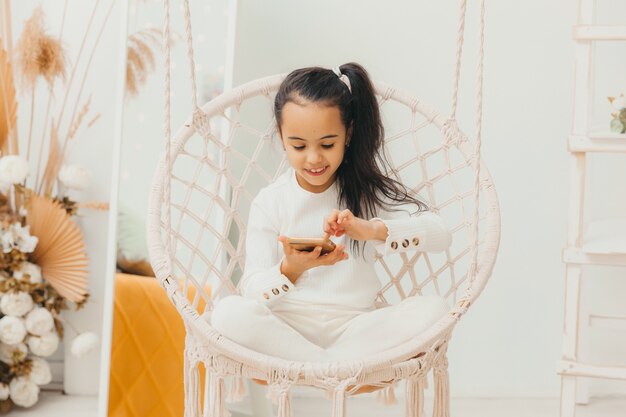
(362, 185)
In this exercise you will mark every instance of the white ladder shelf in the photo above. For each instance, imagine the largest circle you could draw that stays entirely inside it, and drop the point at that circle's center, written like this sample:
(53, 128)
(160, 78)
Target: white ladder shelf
(600, 243)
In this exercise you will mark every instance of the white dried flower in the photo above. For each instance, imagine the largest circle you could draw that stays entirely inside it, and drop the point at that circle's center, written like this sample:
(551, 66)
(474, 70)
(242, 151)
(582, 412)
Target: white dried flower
(16, 303)
(12, 330)
(23, 391)
(30, 269)
(18, 237)
(44, 345)
(13, 353)
(40, 372)
(39, 321)
(619, 103)
(13, 169)
(75, 176)
(84, 343)
(4, 391)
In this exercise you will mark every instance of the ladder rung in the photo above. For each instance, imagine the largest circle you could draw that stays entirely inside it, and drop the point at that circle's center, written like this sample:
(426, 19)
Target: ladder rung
(593, 371)
(575, 255)
(598, 142)
(608, 322)
(599, 32)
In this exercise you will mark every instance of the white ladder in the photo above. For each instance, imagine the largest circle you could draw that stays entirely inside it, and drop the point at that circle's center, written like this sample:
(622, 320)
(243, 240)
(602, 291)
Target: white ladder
(585, 249)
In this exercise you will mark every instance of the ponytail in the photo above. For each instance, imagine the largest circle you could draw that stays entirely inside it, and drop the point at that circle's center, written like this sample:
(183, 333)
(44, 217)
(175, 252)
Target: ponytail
(363, 187)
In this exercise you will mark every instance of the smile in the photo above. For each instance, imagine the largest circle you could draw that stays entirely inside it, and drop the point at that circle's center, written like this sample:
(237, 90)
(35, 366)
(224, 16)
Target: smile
(315, 172)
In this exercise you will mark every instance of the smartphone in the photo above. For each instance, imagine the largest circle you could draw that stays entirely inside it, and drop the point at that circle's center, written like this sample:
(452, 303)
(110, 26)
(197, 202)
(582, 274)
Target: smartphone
(309, 244)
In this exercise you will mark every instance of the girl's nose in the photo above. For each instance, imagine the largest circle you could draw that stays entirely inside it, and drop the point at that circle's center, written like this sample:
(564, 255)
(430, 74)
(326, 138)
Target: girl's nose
(314, 157)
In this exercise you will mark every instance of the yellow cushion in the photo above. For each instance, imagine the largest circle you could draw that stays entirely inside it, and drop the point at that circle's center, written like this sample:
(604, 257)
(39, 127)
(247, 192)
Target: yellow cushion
(148, 340)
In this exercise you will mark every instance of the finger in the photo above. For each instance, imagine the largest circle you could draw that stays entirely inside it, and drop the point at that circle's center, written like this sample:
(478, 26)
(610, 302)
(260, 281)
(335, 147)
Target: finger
(344, 216)
(286, 246)
(329, 227)
(316, 252)
(326, 235)
(337, 257)
(333, 216)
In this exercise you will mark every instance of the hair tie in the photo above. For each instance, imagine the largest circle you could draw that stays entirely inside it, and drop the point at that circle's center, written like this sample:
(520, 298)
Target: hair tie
(343, 77)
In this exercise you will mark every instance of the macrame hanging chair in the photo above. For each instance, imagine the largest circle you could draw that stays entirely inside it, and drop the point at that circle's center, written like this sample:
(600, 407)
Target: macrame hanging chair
(203, 186)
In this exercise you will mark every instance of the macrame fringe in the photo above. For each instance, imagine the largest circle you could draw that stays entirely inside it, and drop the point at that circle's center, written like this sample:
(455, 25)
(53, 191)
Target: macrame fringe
(441, 407)
(387, 395)
(339, 402)
(192, 389)
(237, 390)
(284, 404)
(414, 401)
(216, 397)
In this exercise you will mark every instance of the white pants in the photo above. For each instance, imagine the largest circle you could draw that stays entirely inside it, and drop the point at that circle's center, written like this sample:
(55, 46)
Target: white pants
(310, 332)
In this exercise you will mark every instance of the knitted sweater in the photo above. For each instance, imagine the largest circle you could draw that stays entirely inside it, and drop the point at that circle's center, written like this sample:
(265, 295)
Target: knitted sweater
(285, 208)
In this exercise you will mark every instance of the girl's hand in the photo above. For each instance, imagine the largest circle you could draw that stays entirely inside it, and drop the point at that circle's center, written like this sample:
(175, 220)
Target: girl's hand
(343, 222)
(296, 262)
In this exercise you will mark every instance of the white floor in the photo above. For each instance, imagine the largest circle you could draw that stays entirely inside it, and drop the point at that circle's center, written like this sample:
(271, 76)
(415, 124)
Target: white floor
(465, 407)
(58, 405)
(55, 404)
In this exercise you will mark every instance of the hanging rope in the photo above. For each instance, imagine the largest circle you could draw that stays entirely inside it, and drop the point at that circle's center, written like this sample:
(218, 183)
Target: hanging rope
(192, 64)
(477, 146)
(459, 54)
(167, 130)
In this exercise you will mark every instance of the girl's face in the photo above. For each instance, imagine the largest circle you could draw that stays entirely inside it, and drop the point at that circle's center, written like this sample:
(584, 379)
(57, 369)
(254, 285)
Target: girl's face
(314, 139)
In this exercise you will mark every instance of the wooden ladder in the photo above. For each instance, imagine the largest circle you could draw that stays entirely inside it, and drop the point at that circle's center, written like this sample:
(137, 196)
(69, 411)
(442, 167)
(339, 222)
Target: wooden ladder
(586, 246)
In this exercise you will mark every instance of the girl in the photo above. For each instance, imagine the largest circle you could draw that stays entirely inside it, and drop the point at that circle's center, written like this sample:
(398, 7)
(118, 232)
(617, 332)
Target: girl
(307, 306)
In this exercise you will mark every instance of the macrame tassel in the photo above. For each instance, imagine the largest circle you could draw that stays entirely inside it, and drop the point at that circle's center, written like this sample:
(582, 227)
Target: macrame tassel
(414, 401)
(192, 389)
(237, 390)
(339, 402)
(441, 407)
(216, 397)
(387, 395)
(284, 404)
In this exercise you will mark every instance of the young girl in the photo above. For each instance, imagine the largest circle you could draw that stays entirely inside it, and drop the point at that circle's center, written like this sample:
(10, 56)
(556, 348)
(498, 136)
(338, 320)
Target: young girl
(307, 306)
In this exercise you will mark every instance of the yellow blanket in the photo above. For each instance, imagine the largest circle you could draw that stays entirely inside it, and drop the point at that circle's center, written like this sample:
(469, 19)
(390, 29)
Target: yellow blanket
(146, 377)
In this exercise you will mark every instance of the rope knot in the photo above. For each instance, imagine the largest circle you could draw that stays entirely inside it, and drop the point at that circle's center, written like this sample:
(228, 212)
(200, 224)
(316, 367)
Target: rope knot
(200, 123)
(450, 131)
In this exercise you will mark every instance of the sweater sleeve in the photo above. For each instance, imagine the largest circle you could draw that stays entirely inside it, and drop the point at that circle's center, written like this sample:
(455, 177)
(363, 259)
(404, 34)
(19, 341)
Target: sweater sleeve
(424, 231)
(262, 279)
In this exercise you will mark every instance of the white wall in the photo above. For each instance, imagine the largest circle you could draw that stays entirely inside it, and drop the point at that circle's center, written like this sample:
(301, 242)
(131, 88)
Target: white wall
(510, 342)
(91, 148)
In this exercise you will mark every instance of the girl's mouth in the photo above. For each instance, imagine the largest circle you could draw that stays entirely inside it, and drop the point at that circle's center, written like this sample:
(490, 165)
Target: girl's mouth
(316, 172)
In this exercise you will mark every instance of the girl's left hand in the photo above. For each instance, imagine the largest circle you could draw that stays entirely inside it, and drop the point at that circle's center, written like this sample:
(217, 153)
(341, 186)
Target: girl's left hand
(343, 222)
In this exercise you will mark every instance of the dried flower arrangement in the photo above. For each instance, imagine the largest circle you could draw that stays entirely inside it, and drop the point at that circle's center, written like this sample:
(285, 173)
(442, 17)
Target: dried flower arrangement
(618, 118)
(43, 259)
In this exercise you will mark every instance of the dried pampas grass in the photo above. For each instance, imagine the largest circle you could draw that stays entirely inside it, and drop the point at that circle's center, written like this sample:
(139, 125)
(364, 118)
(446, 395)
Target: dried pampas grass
(8, 103)
(140, 58)
(53, 166)
(61, 251)
(79, 119)
(38, 54)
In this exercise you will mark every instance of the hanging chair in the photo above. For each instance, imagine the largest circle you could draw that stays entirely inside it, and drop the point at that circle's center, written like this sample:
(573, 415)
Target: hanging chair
(202, 189)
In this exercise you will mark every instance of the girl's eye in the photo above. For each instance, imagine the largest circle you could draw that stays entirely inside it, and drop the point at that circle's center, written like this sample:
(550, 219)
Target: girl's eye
(298, 148)
(328, 146)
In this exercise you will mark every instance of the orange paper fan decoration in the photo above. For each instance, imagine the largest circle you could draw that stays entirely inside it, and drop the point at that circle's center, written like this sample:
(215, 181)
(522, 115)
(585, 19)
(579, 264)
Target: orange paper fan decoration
(60, 252)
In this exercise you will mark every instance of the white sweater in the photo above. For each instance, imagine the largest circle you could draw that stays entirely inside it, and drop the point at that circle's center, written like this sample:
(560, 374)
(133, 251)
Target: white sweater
(285, 208)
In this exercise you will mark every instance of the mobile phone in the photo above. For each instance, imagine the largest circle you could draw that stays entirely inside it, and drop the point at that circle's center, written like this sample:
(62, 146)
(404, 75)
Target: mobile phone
(309, 244)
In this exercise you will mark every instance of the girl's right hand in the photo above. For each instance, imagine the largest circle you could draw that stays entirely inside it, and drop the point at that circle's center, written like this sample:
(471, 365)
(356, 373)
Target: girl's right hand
(297, 262)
